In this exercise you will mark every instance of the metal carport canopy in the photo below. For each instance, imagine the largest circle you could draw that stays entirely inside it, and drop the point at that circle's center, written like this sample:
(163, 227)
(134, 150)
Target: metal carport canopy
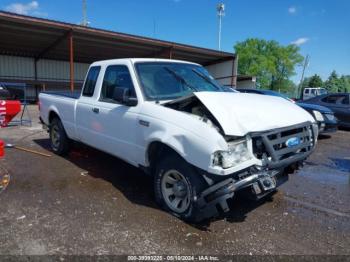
(42, 38)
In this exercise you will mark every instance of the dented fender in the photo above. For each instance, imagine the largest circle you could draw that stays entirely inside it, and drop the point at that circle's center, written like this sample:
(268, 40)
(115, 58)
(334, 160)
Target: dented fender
(194, 140)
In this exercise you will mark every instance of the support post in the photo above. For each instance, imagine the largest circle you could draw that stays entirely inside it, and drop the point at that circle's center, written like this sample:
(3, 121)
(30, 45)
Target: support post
(234, 71)
(171, 52)
(71, 61)
(36, 79)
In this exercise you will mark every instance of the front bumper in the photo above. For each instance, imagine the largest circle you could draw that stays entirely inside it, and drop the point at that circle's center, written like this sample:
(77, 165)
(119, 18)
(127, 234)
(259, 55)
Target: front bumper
(261, 183)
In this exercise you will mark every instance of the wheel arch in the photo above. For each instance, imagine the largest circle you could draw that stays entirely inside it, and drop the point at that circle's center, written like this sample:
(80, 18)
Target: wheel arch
(53, 114)
(156, 149)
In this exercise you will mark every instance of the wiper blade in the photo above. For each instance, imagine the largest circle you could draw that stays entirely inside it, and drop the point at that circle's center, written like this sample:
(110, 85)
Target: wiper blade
(205, 78)
(180, 78)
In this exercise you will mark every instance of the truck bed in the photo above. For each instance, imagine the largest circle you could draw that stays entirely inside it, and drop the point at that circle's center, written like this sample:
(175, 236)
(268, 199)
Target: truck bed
(74, 95)
(63, 104)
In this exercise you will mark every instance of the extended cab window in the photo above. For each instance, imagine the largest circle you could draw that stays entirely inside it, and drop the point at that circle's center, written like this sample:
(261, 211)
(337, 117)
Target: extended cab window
(90, 81)
(116, 76)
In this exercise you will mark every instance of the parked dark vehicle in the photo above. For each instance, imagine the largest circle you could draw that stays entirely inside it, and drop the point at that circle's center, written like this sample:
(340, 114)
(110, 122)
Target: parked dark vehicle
(327, 122)
(338, 102)
(4, 93)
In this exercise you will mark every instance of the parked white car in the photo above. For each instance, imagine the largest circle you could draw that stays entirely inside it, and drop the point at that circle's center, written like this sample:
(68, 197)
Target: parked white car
(200, 141)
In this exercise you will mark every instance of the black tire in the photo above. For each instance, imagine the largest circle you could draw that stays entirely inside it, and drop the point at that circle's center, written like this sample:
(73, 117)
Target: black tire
(60, 143)
(196, 184)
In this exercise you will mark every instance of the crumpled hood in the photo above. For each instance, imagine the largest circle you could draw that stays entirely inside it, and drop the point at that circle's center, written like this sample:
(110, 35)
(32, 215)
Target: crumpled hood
(241, 113)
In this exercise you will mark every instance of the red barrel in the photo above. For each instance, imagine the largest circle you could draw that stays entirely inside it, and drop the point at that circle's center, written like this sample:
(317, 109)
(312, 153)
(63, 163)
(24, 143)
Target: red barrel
(8, 110)
(2, 151)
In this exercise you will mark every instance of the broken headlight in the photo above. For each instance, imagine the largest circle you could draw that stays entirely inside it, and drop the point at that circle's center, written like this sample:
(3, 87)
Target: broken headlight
(237, 153)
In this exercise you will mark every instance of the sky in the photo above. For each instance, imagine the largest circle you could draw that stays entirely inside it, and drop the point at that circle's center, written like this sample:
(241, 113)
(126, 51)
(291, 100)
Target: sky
(321, 28)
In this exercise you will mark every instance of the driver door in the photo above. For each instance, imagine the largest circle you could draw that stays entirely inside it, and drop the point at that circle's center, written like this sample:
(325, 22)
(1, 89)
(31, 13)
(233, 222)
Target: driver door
(117, 122)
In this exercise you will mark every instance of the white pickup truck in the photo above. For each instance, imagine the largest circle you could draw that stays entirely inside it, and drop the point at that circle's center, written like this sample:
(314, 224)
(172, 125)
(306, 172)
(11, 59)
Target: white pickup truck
(200, 141)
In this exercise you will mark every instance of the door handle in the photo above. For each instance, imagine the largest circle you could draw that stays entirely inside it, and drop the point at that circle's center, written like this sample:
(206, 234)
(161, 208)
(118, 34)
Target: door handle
(95, 110)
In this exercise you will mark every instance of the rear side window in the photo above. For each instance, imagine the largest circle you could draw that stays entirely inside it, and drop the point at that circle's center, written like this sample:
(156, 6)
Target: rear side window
(345, 101)
(116, 76)
(306, 91)
(90, 82)
(331, 99)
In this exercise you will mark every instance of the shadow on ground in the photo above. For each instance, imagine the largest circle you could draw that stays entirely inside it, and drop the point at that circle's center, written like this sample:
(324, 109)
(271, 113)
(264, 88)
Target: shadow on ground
(135, 185)
(343, 128)
(341, 164)
(324, 136)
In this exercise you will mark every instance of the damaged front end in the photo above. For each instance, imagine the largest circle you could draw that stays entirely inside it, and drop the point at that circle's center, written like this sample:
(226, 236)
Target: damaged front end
(276, 155)
(252, 161)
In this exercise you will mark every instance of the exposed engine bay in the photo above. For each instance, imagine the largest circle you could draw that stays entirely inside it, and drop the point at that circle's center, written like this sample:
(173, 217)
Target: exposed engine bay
(192, 105)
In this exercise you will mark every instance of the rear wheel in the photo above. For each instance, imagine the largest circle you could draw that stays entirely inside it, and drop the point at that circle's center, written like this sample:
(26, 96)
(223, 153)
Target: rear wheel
(60, 142)
(176, 186)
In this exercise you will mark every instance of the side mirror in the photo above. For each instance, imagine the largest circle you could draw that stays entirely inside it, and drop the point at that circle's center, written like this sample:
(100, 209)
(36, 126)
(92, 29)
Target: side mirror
(122, 95)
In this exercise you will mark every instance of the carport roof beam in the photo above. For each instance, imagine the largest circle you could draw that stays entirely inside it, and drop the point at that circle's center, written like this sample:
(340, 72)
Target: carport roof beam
(42, 38)
(53, 45)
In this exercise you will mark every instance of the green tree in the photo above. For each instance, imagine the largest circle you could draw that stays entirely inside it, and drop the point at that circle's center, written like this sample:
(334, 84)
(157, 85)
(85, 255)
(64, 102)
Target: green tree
(347, 84)
(333, 83)
(315, 81)
(284, 86)
(344, 84)
(254, 59)
(306, 82)
(272, 63)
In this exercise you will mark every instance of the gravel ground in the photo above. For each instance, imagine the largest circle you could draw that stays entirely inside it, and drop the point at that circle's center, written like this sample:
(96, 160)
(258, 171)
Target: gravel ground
(92, 203)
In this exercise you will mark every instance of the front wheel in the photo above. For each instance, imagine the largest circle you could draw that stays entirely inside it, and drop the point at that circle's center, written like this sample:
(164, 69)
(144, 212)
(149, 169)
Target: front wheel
(60, 142)
(176, 186)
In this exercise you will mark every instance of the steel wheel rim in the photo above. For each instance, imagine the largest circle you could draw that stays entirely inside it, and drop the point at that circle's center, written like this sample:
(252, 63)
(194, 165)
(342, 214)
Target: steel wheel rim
(55, 136)
(175, 190)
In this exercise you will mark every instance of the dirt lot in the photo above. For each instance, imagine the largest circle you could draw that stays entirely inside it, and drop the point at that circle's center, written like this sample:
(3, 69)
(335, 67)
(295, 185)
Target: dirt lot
(93, 203)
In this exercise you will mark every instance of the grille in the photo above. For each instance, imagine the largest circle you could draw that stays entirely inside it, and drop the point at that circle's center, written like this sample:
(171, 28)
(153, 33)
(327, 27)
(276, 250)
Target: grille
(272, 146)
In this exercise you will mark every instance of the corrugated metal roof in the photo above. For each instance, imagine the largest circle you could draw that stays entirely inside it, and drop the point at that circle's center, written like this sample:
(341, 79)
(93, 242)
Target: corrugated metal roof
(42, 38)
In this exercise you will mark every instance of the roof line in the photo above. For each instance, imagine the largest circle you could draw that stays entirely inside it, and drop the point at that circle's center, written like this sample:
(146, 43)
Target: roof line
(74, 27)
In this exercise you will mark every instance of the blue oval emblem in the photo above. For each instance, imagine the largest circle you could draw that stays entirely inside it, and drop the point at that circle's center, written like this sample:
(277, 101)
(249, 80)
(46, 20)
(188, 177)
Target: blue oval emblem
(293, 141)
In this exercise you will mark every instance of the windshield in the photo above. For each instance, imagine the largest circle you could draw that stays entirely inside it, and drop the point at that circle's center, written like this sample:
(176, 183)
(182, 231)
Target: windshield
(167, 81)
(323, 91)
